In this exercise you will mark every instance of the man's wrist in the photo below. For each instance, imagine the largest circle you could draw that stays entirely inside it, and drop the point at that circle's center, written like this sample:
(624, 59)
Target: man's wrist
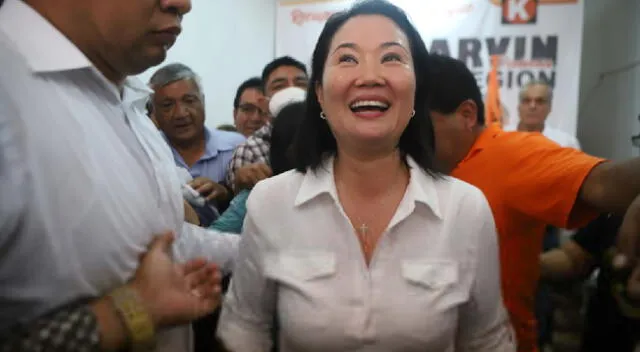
(135, 317)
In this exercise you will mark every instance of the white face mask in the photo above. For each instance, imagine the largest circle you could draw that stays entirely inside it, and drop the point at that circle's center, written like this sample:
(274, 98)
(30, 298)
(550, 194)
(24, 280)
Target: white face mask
(285, 97)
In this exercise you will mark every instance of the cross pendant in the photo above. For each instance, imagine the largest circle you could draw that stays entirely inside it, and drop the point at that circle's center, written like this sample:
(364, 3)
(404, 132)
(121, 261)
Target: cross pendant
(364, 236)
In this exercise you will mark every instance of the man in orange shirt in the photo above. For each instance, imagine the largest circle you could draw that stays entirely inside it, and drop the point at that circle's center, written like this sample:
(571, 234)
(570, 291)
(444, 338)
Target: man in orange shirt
(529, 182)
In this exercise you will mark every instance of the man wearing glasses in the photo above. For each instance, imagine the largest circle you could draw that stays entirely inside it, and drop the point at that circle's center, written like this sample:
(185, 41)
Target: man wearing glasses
(250, 111)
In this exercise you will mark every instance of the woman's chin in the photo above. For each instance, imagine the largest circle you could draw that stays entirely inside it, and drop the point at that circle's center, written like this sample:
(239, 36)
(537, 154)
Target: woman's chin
(375, 138)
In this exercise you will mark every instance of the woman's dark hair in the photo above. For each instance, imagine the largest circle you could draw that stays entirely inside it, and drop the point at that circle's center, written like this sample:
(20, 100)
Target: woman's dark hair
(285, 127)
(314, 139)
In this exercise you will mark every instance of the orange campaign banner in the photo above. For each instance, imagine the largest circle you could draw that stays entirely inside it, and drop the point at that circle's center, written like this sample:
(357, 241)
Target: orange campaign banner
(492, 105)
(534, 39)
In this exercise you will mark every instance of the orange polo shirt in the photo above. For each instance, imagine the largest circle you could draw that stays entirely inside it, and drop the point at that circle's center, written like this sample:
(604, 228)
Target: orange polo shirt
(530, 182)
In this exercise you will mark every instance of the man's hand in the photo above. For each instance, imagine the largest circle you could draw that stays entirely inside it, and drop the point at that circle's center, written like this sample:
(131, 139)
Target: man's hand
(248, 176)
(209, 189)
(628, 247)
(175, 294)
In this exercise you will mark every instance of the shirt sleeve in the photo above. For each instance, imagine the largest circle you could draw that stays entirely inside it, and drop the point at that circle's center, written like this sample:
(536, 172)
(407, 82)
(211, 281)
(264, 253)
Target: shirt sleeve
(198, 242)
(546, 179)
(233, 218)
(248, 310)
(237, 161)
(71, 329)
(484, 323)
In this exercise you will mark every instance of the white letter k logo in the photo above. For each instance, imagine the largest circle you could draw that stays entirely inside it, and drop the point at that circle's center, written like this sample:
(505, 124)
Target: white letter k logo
(517, 8)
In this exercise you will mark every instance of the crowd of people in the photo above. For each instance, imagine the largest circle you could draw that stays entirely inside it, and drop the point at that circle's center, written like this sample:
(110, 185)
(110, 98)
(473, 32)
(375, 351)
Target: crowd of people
(364, 204)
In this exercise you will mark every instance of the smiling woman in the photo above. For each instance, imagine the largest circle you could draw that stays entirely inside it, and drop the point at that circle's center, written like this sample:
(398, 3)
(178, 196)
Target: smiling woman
(366, 249)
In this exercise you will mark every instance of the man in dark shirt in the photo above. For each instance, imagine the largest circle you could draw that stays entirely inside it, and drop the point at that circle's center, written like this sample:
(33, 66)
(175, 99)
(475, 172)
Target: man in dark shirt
(607, 328)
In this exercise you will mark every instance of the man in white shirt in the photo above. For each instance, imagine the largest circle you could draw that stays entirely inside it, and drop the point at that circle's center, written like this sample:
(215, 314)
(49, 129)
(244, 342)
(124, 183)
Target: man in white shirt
(86, 180)
(534, 108)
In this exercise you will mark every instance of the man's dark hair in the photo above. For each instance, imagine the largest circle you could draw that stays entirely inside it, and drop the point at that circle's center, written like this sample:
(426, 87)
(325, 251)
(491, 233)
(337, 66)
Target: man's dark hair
(280, 62)
(451, 83)
(285, 127)
(251, 83)
(315, 140)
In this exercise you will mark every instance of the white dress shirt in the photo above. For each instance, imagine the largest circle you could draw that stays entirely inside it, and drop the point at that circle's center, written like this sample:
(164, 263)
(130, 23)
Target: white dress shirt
(560, 137)
(86, 179)
(433, 283)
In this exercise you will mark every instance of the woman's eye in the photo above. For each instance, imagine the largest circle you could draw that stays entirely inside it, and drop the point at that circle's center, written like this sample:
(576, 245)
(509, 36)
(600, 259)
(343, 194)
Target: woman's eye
(391, 57)
(346, 58)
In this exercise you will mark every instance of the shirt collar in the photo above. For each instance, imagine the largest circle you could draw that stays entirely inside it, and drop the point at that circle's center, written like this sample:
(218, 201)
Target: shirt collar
(421, 188)
(486, 136)
(211, 145)
(214, 143)
(135, 93)
(44, 47)
(219, 141)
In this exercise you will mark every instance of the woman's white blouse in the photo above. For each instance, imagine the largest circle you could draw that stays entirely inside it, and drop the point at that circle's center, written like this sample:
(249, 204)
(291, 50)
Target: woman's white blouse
(433, 283)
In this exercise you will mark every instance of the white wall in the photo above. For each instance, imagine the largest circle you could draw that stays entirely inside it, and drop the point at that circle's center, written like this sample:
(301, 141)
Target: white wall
(225, 42)
(609, 110)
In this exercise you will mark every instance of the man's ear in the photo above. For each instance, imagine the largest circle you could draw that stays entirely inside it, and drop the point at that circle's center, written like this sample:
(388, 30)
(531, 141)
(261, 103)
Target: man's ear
(468, 109)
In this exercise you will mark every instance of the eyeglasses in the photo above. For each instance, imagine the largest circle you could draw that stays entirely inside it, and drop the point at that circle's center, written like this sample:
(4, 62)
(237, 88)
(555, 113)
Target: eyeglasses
(251, 109)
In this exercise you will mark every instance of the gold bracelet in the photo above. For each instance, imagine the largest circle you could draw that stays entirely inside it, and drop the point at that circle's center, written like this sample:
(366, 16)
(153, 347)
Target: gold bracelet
(135, 318)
